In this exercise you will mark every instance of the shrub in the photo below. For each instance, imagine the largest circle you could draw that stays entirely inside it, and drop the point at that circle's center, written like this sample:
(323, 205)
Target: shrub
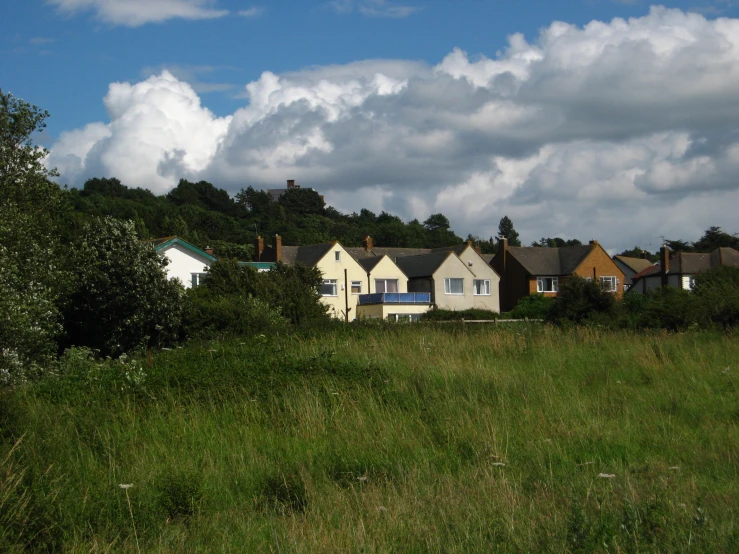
(667, 308)
(717, 296)
(453, 315)
(210, 315)
(533, 306)
(579, 300)
(122, 298)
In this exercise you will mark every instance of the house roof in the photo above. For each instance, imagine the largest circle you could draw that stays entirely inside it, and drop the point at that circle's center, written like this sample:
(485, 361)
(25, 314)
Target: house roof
(635, 264)
(689, 263)
(165, 242)
(369, 263)
(309, 255)
(359, 252)
(422, 265)
(550, 261)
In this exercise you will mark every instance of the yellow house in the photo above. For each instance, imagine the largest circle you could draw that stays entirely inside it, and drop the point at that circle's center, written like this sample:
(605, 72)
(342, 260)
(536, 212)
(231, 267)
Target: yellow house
(486, 283)
(388, 296)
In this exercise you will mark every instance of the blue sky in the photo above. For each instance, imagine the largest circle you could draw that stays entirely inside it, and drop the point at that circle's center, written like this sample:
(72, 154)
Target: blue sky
(404, 132)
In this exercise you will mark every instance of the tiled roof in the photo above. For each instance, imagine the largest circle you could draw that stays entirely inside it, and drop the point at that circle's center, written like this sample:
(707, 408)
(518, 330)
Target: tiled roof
(423, 265)
(369, 263)
(550, 261)
(651, 270)
(635, 264)
(690, 263)
(359, 252)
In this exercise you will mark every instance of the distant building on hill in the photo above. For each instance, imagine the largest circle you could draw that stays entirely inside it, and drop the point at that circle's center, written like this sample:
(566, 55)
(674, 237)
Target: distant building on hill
(275, 194)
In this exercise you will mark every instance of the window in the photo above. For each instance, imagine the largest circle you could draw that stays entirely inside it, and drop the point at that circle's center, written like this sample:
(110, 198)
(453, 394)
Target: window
(404, 318)
(356, 287)
(547, 284)
(386, 285)
(198, 278)
(454, 286)
(337, 255)
(328, 288)
(481, 287)
(608, 284)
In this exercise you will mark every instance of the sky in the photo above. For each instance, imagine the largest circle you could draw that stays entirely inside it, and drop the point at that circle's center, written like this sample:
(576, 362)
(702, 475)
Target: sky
(613, 120)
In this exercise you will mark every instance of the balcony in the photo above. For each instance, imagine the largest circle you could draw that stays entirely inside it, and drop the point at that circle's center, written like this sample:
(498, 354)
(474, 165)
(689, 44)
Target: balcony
(395, 298)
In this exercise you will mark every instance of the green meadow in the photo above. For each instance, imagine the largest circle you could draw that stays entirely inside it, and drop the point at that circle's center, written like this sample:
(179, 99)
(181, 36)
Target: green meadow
(392, 438)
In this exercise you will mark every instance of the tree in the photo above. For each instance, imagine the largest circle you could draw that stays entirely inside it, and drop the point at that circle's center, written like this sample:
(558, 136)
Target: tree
(438, 233)
(30, 278)
(556, 242)
(506, 230)
(580, 299)
(637, 252)
(714, 238)
(122, 298)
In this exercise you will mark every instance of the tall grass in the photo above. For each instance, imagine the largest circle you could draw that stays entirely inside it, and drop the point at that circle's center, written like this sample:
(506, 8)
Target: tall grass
(407, 438)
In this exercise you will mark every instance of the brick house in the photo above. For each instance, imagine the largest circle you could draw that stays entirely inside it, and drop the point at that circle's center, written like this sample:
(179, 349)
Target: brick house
(529, 270)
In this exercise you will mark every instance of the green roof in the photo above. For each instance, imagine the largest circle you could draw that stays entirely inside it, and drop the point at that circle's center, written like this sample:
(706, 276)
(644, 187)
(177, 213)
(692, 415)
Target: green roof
(161, 244)
(259, 265)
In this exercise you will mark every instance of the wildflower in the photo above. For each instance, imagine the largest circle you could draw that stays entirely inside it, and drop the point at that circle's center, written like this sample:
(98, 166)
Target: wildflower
(127, 486)
(674, 468)
(606, 475)
(498, 464)
(362, 478)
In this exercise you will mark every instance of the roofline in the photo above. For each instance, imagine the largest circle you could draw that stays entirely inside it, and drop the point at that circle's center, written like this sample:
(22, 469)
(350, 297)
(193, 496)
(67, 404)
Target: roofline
(176, 240)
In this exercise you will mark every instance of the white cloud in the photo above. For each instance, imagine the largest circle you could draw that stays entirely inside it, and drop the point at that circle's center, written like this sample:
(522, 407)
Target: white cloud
(373, 8)
(620, 131)
(251, 12)
(134, 13)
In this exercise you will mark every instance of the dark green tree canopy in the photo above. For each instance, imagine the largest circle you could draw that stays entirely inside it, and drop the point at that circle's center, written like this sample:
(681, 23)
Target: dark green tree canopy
(506, 230)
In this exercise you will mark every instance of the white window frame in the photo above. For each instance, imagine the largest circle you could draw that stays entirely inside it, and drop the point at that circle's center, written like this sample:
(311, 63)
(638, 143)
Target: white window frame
(384, 284)
(541, 282)
(608, 283)
(403, 318)
(485, 287)
(197, 279)
(358, 284)
(329, 282)
(448, 286)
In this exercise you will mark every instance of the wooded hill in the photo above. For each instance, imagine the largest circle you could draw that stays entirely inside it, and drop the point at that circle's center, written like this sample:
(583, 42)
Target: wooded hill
(205, 215)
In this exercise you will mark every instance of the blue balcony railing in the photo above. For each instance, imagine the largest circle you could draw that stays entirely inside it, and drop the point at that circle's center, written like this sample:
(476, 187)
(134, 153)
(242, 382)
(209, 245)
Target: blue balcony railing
(395, 298)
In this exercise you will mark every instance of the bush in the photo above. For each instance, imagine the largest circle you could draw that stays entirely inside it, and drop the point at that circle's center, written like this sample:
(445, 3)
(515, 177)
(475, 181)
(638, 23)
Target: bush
(533, 306)
(122, 298)
(580, 300)
(666, 308)
(211, 315)
(453, 315)
(717, 296)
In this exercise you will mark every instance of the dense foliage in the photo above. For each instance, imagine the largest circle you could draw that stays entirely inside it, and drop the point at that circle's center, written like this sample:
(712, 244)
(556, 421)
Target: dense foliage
(459, 315)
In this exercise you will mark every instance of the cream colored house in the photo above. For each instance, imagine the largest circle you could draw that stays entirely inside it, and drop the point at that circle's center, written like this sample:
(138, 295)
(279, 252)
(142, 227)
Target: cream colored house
(486, 283)
(442, 274)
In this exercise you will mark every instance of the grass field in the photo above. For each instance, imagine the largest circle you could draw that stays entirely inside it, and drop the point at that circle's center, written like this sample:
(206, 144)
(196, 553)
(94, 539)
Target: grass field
(407, 438)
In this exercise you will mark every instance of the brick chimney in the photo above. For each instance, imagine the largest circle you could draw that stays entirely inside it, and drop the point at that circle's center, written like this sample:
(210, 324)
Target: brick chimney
(209, 250)
(664, 262)
(643, 255)
(503, 249)
(258, 248)
(367, 243)
(291, 183)
(593, 242)
(277, 247)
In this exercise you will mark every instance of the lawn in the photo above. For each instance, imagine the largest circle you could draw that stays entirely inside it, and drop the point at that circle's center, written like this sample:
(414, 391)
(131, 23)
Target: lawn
(404, 438)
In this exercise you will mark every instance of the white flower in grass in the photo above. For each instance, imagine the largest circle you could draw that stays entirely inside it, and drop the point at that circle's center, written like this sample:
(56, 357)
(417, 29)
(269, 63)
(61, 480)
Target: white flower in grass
(498, 464)
(606, 475)
(126, 486)
(674, 468)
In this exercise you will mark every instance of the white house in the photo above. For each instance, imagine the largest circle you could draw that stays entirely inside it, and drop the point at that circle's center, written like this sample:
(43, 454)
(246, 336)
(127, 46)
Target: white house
(187, 263)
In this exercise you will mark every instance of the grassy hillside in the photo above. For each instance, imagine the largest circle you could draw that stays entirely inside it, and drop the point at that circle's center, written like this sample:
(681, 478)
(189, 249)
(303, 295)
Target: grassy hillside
(376, 439)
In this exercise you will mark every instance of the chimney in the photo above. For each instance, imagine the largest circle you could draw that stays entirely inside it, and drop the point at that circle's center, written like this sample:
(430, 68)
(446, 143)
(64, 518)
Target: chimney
(593, 242)
(478, 249)
(503, 249)
(664, 261)
(208, 250)
(643, 255)
(469, 243)
(258, 248)
(291, 183)
(367, 243)
(277, 247)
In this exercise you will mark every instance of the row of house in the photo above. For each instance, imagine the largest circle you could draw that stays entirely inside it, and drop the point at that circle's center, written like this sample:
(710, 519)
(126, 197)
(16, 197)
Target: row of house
(403, 283)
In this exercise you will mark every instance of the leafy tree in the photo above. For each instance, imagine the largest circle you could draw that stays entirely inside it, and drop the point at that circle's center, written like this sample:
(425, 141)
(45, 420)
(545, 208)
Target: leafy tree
(556, 242)
(30, 278)
(717, 296)
(122, 298)
(637, 252)
(714, 238)
(438, 232)
(302, 201)
(679, 245)
(578, 300)
(505, 229)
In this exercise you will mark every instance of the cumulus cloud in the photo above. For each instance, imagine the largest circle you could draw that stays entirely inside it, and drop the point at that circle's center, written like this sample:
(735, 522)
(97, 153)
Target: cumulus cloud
(621, 131)
(134, 13)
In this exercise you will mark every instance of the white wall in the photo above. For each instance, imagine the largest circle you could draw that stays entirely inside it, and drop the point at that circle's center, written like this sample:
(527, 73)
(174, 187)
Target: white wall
(183, 263)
